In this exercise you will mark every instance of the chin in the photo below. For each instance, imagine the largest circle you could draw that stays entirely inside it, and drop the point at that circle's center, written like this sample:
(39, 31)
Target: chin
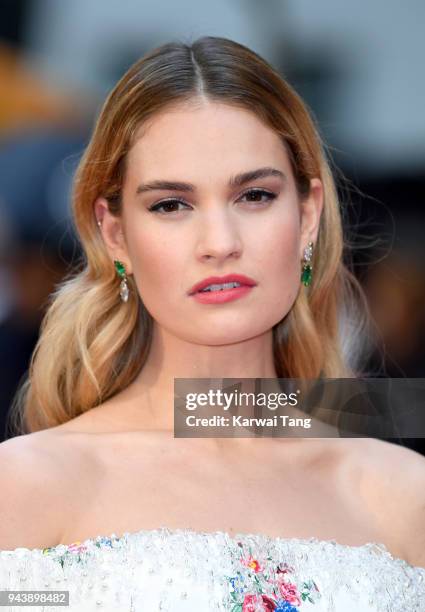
(226, 334)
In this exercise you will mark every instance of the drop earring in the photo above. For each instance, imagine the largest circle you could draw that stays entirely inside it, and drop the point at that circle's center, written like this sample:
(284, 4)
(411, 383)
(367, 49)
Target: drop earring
(307, 269)
(124, 290)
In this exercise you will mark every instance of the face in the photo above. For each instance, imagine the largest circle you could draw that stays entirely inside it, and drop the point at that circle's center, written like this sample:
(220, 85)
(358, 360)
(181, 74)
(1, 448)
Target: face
(174, 236)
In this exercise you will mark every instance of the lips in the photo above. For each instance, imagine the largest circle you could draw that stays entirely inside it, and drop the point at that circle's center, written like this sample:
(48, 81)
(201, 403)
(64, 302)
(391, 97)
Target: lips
(219, 280)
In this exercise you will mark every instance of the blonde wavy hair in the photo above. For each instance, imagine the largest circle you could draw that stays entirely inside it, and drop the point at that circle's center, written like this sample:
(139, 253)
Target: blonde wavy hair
(91, 345)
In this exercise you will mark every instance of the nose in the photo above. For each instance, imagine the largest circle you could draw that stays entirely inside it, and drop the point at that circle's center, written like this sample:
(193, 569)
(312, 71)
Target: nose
(218, 236)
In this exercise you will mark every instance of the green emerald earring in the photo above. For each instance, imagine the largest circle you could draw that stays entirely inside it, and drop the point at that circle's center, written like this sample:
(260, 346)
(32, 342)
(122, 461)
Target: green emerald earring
(124, 290)
(307, 269)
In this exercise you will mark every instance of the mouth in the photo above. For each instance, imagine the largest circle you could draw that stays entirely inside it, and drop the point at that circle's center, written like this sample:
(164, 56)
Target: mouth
(227, 283)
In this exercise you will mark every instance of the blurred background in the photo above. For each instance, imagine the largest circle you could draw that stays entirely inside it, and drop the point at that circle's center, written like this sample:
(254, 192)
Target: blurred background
(359, 67)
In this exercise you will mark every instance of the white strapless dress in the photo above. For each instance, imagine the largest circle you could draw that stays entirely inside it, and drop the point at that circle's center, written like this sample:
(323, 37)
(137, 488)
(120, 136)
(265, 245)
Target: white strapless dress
(181, 570)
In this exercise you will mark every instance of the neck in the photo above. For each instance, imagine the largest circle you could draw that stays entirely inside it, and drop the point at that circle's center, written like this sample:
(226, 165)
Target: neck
(170, 357)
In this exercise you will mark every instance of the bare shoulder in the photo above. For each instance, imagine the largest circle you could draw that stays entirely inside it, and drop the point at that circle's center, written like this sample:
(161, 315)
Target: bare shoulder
(34, 470)
(394, 478)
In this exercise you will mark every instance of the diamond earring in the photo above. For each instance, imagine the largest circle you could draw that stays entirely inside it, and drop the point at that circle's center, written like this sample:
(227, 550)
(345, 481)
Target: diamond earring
(124, 290)
(307, 269)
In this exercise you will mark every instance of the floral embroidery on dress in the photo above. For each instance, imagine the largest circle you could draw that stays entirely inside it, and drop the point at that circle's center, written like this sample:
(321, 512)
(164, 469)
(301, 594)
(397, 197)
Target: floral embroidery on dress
(244, 573)
(261, 585)
(75, 549)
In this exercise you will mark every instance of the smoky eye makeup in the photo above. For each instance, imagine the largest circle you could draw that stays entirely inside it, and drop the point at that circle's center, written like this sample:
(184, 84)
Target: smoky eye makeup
(168, 206)
(256, 197)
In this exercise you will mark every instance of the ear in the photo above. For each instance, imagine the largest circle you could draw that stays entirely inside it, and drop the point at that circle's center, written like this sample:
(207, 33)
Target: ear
(311, 210)
(111, 228)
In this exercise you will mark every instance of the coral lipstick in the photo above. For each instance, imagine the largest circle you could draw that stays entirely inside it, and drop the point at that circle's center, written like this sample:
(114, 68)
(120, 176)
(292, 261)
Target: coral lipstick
(225, 295)
(219, 289)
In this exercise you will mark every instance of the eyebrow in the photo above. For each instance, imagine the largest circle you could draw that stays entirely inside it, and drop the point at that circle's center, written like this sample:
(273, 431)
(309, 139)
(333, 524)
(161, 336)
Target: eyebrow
(234, 181)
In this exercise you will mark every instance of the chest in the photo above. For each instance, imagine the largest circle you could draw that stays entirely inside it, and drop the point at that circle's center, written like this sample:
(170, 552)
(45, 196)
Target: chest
(236, 494)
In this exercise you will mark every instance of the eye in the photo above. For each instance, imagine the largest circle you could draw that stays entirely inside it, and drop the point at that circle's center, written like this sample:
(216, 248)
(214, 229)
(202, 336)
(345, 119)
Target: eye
(167, 206)
(254, 194)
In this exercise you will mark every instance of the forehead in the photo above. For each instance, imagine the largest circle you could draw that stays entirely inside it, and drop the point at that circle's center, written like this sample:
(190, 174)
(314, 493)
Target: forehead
(211, 137)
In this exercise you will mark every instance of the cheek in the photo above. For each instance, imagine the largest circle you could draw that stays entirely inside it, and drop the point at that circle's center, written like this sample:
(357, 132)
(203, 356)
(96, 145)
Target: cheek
(281, 252)
(282, 266)
(157, 265)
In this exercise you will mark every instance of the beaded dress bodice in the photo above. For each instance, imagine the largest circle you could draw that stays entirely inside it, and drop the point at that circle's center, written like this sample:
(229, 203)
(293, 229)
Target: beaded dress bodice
(182, 570)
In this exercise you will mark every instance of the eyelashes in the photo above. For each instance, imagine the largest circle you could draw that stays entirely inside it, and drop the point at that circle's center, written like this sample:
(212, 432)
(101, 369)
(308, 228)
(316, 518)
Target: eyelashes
(167, 207)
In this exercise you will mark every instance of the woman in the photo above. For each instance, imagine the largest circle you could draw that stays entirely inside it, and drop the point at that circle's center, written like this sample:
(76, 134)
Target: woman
(204, 168)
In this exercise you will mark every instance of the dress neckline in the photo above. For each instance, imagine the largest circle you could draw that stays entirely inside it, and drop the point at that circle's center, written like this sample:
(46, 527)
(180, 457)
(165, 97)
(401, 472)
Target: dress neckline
(259, 538)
